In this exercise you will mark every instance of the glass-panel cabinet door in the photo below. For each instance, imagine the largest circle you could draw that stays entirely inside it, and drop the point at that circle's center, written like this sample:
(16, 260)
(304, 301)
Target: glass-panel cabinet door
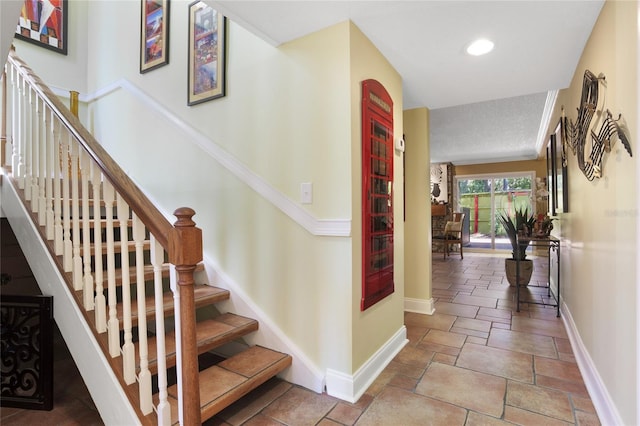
(377, 194)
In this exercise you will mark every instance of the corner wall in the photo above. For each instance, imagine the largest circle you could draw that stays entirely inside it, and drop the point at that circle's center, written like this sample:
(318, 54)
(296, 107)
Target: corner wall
(600, 232)
(378, 331)
(418, 291)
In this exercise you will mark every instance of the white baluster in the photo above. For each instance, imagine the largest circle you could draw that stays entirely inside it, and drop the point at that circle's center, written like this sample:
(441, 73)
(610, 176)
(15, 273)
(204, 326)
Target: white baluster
(41, 143)
(75, 216)
(22, 122)
(144, 376)
(87, 289)
(9, 113)
(30, 156)
(57, 196)
(164, 408)
(25, 157)
(173, 283)
(66, 203)
(128, 352)
(49, 174)
(17, 120)
(100, 302)
(113, 324)
(35, 151)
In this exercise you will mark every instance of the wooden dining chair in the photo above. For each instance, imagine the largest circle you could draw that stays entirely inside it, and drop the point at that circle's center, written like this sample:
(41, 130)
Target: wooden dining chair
(451, 235)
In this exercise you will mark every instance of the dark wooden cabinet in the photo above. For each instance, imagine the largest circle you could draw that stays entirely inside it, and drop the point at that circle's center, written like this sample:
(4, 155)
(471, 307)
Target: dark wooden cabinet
(377, 193)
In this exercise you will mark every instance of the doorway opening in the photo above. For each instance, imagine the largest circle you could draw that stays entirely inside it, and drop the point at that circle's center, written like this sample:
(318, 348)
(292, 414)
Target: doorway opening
(487, 196)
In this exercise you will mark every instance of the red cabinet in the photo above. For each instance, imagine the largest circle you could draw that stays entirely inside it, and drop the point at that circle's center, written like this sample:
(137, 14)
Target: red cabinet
(377, 193)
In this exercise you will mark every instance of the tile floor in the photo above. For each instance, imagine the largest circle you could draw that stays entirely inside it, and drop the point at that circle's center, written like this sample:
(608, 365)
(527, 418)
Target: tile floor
(474, 362)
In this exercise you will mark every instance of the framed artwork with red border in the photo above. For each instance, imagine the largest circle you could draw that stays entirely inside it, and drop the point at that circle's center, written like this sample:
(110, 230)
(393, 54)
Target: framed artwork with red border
(44, 23)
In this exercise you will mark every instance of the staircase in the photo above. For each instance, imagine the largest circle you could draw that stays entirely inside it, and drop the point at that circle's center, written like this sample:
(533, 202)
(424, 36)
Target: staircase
(137, 280)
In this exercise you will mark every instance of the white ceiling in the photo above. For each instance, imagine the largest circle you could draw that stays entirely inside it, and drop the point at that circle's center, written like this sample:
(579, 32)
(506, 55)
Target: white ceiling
(483, 109)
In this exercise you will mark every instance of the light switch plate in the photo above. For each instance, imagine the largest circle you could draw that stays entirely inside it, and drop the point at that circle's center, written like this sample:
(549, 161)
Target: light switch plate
(306, 193)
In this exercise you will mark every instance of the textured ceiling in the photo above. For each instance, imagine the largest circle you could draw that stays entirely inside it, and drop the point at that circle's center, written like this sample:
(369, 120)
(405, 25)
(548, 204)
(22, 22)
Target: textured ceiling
(507, 126)
(476, 115)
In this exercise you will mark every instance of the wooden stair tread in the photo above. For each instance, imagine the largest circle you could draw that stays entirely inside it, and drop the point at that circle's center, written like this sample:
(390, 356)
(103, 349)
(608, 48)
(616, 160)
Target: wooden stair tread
(148, 273)
(226, 382)
(210, 334)
(116, 223)
(117, 247)
(103, 223)
(204, 295)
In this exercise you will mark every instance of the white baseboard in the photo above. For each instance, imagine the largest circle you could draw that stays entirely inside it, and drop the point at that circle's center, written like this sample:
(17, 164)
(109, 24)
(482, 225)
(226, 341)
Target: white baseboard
(351, 387)
(604, 405)
(419, 306)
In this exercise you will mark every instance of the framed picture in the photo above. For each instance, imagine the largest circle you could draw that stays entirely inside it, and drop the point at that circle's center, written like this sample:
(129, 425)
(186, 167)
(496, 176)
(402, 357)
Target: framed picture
(557, 162)
(207, 53)
(154, 34)
(562, 182)
(551, 167)
(44, 23)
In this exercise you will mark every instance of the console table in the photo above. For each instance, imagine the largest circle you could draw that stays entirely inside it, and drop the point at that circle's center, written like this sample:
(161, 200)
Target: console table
(551, 244)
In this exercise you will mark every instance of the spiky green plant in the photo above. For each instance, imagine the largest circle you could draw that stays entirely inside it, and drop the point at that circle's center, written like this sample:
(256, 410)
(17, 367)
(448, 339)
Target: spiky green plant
(518, 227)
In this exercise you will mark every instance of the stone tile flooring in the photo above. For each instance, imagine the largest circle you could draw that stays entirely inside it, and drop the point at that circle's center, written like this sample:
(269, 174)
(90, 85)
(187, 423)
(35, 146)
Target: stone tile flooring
(476, 361)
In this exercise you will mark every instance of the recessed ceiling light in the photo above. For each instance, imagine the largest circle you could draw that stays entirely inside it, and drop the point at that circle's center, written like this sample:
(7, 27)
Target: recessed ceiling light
(480, 47)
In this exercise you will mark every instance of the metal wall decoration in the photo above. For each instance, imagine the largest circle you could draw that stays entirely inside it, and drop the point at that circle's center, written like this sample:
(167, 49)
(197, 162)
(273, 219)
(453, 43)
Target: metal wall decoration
(27, 352)
(576, 134)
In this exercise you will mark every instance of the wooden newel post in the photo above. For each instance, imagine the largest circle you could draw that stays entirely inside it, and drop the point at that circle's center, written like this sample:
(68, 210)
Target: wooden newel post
(185, 252)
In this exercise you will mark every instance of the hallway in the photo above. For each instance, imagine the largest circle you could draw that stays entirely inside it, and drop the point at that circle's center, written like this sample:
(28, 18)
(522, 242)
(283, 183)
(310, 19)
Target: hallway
(475, 361)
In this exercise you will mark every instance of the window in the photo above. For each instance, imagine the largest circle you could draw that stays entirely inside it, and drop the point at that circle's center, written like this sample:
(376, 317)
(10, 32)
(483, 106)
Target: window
(487, 195)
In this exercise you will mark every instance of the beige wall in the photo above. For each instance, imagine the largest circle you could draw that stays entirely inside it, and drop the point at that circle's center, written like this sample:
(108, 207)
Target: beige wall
(283, 119)
(539, 166)
(418, 208)
(600, 243)
(376, 325)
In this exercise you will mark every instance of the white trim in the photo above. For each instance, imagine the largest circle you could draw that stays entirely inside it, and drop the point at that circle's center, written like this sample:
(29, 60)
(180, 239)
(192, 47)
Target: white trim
(303, 371)
(420, 306)
(550, 103)
(318, 227)
(604, 405)
(351, 388)
(109, 397)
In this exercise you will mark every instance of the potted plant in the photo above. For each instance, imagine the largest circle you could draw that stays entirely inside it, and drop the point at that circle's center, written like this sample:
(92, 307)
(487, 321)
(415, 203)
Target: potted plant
(519, 229)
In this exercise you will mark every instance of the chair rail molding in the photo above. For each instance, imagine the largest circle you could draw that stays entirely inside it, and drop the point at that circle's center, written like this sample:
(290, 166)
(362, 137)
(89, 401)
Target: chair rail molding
(313, 225)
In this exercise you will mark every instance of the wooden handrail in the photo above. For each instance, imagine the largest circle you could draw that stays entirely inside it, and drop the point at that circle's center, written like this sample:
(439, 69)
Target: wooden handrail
(135, 198)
